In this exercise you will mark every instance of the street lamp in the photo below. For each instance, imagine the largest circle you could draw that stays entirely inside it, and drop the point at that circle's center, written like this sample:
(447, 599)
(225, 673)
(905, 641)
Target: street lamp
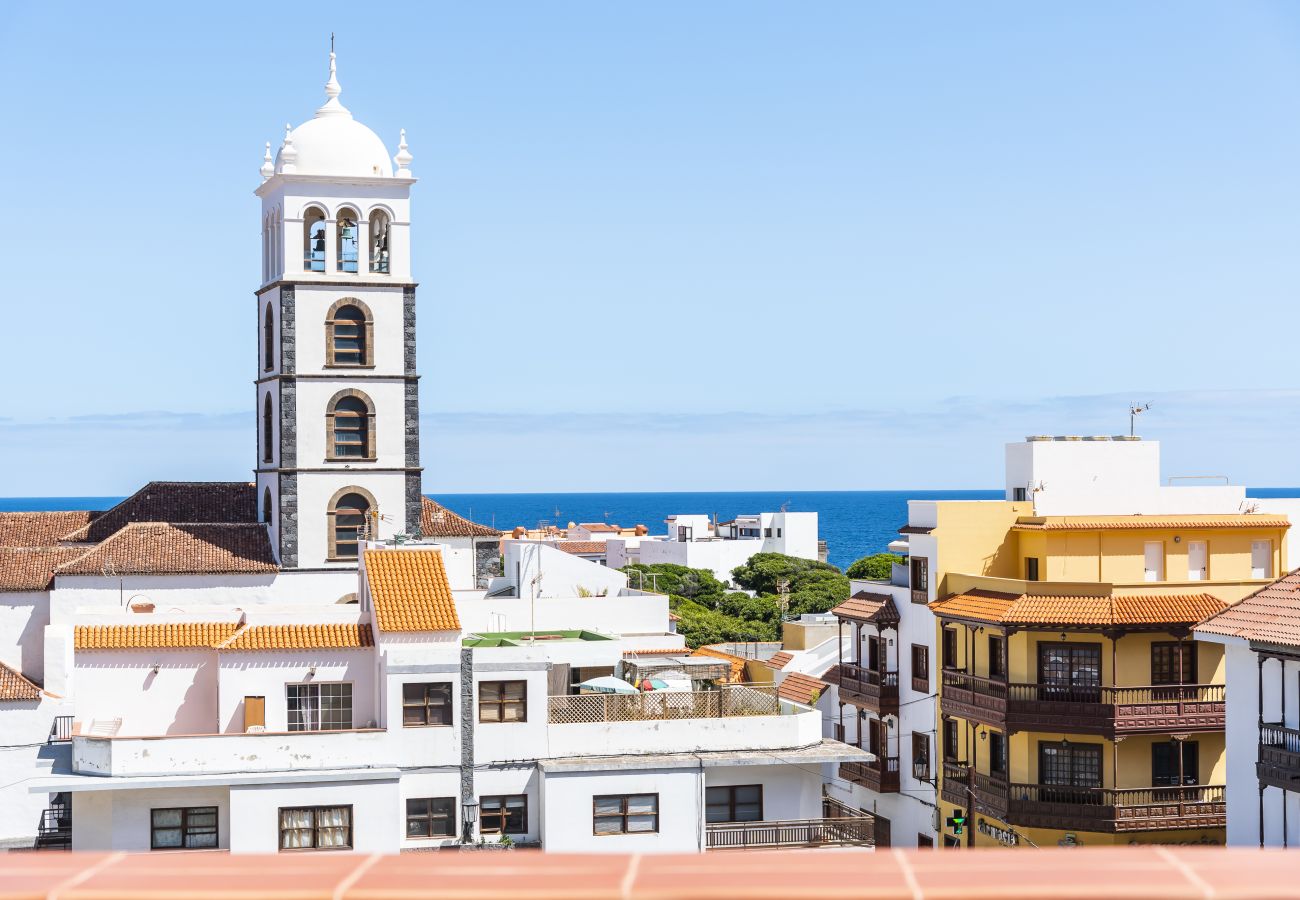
(468, 816)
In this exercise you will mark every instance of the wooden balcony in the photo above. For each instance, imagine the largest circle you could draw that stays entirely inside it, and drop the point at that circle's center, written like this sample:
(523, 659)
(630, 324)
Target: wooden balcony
(1105, 711)
(1279, 757)
(988, 795)
(1110, 810)
(867, 688)
(840, 826)
(880, 775)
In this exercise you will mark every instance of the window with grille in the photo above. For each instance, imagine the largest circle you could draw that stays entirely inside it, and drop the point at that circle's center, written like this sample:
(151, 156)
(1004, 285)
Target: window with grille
(734, 803)
(348, 525)
(920, 579)
(1069, 671)
(188, 828)
(1166, 665)
(320, 707)
(350, 433)
(950, 648)
(503, 814)
(348, 335)
(426, 704)
(921, 668)
(316, 828)
(1069, 765)
(920, 756)
(431, 817)
(997, 656)
(625, 814)
(503, 701)
(998, 753)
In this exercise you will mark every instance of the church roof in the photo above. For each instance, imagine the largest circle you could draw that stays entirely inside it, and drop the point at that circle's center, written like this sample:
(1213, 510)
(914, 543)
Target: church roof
(32, 568)
(437, 520)
(173, 501)
(40, 529)
(162, 548)
(410, 591)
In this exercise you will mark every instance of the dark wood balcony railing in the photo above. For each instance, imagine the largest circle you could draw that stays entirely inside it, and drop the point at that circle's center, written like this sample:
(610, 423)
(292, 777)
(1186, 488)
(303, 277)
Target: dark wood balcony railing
(1078, 709)
(989, 791)
(1116, 810)
(880, 776)
(1279, 756)
(868, 688)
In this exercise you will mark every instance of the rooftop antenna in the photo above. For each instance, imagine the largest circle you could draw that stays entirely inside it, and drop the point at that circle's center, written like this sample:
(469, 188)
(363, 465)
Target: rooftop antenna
(1135, 410)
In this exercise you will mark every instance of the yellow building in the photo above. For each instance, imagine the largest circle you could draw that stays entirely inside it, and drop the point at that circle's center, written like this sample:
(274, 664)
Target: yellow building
(1074, 706)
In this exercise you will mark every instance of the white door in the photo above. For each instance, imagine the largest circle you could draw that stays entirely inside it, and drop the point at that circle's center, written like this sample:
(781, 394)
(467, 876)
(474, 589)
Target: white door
(1261, 559)
(1198, 561)
(1155, 561)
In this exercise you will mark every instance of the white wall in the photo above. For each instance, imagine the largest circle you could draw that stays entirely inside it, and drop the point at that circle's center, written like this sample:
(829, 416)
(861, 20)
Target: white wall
(23, 617)
(720, 556)
(180, 698)
(378, 818)
(567, 799)
(562, 574)
(25, 756)
(120, 820)
(269, 673)
(638, 614)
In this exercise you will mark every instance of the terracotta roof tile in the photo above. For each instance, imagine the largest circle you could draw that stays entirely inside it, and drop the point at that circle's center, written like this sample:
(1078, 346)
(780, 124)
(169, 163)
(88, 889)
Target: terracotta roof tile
(598, 527)
(157, 548)
(158, 635)
(14, 687)
(299, 637)
(581, 547)
(1129, 523)
(227, 502)
(800, 688)
(1052, 610)
(1271, 615)
(437, 520)
(737, 674)
(778, 660)
(410, 591)
(40, 529)
(865, 606)
(32, 568)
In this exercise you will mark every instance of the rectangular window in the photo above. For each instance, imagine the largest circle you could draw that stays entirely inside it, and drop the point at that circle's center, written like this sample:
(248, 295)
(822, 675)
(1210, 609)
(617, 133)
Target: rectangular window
(920, 579)
(1166, 665)
(921, 668)
(767, 532)
(1069, 672)
(734, 803)
(1019, 495)
(951, 751)
(997, 656)
(1261, 559)
(503, 701)
(1198, 561)
(320, 707)
(998, 753)
(426, 704)
(1069, 765)
(1164, 764)
(920, 756)
(188, 828)
(1031, 568)
(950, 648)
(1153, 555)
(431, 817)
(625, 814)
(503, 814)
(316, 828)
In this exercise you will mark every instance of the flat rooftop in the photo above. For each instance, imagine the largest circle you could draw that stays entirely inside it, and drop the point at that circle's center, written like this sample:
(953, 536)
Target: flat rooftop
(531, 638)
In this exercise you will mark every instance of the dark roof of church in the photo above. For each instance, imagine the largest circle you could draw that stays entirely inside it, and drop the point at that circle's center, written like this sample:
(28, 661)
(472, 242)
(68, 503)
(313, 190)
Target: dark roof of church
(220, 502)
(40, 529)
(163, 548)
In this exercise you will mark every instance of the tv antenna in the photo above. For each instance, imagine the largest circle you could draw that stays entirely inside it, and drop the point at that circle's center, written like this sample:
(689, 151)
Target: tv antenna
(1135, 410)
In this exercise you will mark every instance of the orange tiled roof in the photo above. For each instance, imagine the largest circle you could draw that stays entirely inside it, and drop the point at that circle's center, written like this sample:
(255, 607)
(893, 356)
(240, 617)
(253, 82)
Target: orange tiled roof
(437, 520)
(14, 687)
(160, 635)
(228, 502)
(779, 660)
(410, 591)
(1104, 523)
(40, 529)
(161, 548)
(1052, 610)
(598, 527)
(737, 674)
(580, 547)
(299, 637)
(800, 688)
(865, 606)
(1271, 615)
(32, 568)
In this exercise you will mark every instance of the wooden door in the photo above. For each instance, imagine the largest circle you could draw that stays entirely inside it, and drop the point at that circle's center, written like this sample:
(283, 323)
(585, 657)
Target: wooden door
(882, 831)
(254, 712)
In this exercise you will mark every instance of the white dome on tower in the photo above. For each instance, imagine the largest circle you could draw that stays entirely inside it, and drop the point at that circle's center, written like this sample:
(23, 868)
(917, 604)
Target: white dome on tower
(333, 143)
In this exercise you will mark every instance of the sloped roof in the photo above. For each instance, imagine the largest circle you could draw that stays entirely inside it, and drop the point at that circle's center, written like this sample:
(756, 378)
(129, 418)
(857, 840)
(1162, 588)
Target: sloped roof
(779, 660)
(159, 548)
(737, 663)
(437, 520)
(598, 527)
(865, 606)
(799, 688)
(14, 687)
(1271, 615)
(227, 502)
(40, 529)
(1053, 610)
(410, 591)
(1130, 523)
(581, 547)
(156, 635)
(32, 568)
(299, 637)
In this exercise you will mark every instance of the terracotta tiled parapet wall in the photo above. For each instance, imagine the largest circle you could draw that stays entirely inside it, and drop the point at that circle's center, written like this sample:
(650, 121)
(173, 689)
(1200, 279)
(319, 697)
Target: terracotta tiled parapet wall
(1113, 873)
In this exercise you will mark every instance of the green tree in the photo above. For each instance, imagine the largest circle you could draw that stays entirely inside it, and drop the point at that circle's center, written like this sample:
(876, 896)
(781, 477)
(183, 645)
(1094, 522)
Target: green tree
(876, 567)
(812, 586)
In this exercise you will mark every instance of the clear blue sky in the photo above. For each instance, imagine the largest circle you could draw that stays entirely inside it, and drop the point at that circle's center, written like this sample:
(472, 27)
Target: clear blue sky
(677, 245)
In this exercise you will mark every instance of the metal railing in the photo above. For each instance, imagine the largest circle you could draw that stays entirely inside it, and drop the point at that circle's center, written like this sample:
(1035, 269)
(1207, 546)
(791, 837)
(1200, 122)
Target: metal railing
(60, 729)
(55, 829)
(728, 700)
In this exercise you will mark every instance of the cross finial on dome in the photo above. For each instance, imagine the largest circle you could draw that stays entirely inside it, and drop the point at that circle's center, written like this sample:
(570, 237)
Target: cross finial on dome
(332, 105)
(403, 158)
(268, 165)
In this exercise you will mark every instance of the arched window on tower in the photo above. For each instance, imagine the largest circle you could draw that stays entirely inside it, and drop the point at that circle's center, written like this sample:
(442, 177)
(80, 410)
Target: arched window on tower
(268, 340)
(347, 241)
(266, 506)
(379, 242)
(313, 239)
(348, 334)
(349, 427)
(268, 442)
(349, 517)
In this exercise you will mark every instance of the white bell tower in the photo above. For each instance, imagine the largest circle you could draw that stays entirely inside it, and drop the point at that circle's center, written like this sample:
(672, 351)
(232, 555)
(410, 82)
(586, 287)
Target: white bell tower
(338, 434)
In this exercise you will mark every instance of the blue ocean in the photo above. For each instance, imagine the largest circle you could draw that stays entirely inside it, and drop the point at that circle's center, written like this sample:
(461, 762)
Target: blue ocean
(853, 523)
